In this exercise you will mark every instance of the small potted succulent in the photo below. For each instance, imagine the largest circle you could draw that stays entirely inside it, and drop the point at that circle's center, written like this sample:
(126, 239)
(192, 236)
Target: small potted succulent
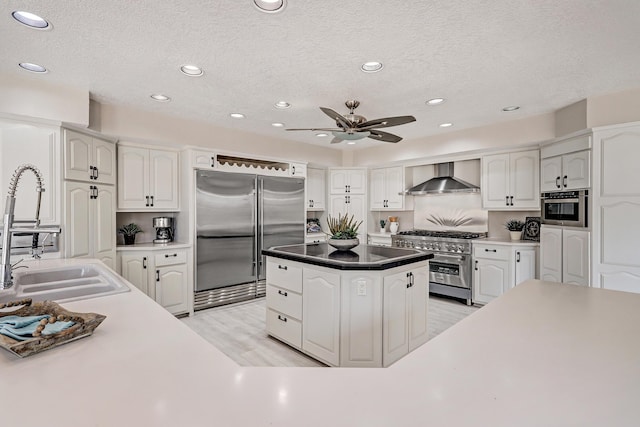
(515, 228)
(343, 232)
(129, 232)
(383, 223)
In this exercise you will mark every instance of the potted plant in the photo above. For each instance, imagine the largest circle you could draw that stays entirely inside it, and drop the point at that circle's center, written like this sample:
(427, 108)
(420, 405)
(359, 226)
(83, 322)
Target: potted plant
(515, 228)
(343, 232)
(129, 232)
(382, 225)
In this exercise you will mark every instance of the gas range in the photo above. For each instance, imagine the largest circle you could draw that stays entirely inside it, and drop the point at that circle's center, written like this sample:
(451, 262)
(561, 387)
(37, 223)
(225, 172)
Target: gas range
(440, 241)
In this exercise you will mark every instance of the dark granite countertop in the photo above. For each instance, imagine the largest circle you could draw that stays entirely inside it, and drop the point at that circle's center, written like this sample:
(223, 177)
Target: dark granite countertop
(362, 257)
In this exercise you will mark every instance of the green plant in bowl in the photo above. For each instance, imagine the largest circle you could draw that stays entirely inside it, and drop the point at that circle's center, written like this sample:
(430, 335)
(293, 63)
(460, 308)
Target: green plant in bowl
(514, 225)
(129, 232)
(343, 227)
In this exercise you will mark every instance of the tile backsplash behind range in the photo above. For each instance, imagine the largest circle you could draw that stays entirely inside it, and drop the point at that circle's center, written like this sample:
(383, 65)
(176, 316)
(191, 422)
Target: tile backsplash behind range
(460, 212)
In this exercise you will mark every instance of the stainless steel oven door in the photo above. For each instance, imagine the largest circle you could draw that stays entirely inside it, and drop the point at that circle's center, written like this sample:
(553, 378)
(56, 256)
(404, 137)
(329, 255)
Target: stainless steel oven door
(450, 270)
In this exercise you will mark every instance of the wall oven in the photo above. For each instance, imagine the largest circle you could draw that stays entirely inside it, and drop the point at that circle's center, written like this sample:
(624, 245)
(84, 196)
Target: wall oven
(568, 208)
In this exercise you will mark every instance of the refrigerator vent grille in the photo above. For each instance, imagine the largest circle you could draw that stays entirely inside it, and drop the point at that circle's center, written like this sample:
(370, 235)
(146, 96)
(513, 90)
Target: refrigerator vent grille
(253, 163)
(228, 295)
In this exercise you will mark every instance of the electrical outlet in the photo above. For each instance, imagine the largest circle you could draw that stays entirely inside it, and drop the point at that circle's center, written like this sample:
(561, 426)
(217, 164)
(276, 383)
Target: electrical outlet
(362, 289)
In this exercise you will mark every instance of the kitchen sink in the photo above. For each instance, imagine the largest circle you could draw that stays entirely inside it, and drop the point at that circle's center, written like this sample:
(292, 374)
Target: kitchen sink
(64, 284)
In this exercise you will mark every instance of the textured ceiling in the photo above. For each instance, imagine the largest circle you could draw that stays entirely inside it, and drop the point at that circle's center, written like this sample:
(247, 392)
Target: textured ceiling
(479, 55)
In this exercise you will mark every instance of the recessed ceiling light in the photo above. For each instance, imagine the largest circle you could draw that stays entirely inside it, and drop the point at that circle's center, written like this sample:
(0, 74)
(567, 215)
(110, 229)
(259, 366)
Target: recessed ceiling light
(435, 101)
(277, 125)
(237, 115)
(371, 67)
(351, 143)
(446, 125)
(31, 20)
(270, 6)
(34, 68)
(321, 135)
(511, 108)
(161, 98)
(191, 70)
(282, 105)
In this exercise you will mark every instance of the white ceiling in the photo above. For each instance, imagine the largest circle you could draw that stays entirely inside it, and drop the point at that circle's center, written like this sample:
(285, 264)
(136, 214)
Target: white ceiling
(479, 55)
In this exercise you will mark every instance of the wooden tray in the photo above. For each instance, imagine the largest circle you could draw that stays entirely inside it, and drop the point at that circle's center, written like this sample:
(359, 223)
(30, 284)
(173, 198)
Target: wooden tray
(85, 323)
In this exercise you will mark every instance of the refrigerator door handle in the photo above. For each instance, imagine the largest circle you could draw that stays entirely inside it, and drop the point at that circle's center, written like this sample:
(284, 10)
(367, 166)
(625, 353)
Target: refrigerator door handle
(260, 224)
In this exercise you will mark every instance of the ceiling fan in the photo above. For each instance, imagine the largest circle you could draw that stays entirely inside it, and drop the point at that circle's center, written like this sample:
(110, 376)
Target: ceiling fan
(352, 126)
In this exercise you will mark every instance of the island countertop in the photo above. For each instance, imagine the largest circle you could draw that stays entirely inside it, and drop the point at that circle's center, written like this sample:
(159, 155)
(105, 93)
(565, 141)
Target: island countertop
(543, 354)
(362, 257)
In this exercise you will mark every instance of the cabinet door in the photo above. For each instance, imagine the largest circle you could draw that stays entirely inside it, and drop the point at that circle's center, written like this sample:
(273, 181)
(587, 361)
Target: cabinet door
(321, 314)
(357, 181)
(171, 288)
(525, 265)
(203, 159)
(338, 205)
(316, 189)
(104, 158)
(418, 302)
(524, 170)
(134, 268)
(377, 195)
(395, 313)
(394, 186)
(577, 170)
(133, 177)
(550, 254)
(163, 179)
(338, 181)
(78, 155)
(576, 257)
(495, 181)
(491, 279)
(77, 233)
(357, 206)
(551, 174)
(298, 170)
(103, 227)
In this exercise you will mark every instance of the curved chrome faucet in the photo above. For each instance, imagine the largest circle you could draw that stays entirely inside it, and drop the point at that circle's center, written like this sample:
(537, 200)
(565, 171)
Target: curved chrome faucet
(6, 281)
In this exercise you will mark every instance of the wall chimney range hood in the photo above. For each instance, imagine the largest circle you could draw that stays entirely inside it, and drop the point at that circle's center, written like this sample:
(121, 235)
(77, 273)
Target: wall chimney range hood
(443, 182)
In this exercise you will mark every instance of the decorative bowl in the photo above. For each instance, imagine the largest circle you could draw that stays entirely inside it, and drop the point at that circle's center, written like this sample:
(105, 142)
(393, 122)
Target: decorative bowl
(343, 244)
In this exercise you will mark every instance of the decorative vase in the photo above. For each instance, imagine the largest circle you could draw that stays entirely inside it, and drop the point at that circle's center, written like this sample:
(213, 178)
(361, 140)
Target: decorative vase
(393, 227)
(515, 235)
(343, 244)
(129, 239)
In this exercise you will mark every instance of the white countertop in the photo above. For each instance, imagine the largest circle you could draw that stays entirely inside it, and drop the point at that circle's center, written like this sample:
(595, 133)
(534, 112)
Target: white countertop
(150, 246)
(508, 242)
(543, 354)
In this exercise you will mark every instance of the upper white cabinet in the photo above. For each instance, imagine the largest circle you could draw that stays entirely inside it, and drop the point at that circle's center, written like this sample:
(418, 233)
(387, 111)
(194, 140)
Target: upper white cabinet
(511, 181)
(348, 181)
(202, 159)
(89, 159)
(568, 172)
(147, 179)
(565, 255)
(298, 170)
(387, 187)
(316, 189)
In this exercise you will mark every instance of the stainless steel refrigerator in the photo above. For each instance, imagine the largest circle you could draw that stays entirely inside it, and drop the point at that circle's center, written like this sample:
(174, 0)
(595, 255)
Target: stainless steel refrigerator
(236, 216)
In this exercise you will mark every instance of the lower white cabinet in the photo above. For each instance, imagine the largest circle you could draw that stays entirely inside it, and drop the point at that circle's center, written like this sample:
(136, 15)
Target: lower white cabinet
(379, 240)
(499, 267)
(565, 255)
(315, 238)
(162, 275)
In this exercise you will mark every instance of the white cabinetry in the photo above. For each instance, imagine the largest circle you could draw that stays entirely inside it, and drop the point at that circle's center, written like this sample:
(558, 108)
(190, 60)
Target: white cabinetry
(347, 181)
(567, 172)
(284, 301)
(298, 170)
(90, 218)
(162, 275)
(316, 189)
(202, 159)
(380, 239)
(349, 204)
(499, 267)
(89, 159)
(511, 181)
(565, 255)
(387, 186)
(147, 179)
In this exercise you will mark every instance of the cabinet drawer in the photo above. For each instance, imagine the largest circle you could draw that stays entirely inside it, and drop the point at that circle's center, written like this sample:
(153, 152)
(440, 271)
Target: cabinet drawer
(284, 327)
(285, 274)
(491, 251)
(284, 301)
(380, 241)
(170, 258)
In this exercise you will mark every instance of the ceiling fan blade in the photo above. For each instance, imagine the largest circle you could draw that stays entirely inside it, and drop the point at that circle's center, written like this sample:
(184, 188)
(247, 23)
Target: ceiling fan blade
(322, 129)
(384, 136)
(340, 120)
(386, 122)
(336, 140)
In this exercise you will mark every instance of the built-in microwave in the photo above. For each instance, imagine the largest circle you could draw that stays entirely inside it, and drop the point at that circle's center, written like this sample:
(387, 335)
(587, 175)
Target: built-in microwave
(569, 208)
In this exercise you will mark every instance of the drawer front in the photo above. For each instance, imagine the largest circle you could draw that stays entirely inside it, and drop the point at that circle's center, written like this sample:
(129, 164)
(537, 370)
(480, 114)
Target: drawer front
(170, 258)
(491, 252)
(285, 301)
(285, 328)
(380, 241)
(285, 274)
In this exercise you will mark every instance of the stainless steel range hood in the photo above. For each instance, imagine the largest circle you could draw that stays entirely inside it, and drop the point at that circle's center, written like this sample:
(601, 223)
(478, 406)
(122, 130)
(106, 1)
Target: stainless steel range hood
(444, 182)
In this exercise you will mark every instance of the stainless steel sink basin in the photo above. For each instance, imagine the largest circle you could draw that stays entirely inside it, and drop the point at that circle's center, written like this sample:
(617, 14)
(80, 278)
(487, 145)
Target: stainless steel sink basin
(64, 284)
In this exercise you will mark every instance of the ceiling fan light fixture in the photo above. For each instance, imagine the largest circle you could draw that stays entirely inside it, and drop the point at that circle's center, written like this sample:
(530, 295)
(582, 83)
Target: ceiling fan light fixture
(34, 68)
(371, 67)
(282, 105)
(346, 136)
(510, 108)
(160, 98)
(31, 20)
(191, 70)
(270, 6)
(445, 125)
(435, 101)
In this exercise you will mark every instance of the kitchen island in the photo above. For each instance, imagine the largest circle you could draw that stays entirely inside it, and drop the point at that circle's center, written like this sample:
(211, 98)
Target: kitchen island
(366, 307)
(543, 354)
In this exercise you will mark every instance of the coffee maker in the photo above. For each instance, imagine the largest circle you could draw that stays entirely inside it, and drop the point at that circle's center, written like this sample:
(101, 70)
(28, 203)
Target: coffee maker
(164, 229)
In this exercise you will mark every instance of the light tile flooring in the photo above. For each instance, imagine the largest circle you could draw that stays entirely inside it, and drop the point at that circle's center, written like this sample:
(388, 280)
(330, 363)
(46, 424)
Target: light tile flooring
(238, 330)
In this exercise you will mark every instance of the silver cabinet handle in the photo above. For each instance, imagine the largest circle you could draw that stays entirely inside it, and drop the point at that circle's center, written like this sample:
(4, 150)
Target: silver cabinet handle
(506, 200)
(95, 169)
(511, 200)
(476, 267)
(157, 275)
(282, 293)
(151, 201)
(282, 267)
